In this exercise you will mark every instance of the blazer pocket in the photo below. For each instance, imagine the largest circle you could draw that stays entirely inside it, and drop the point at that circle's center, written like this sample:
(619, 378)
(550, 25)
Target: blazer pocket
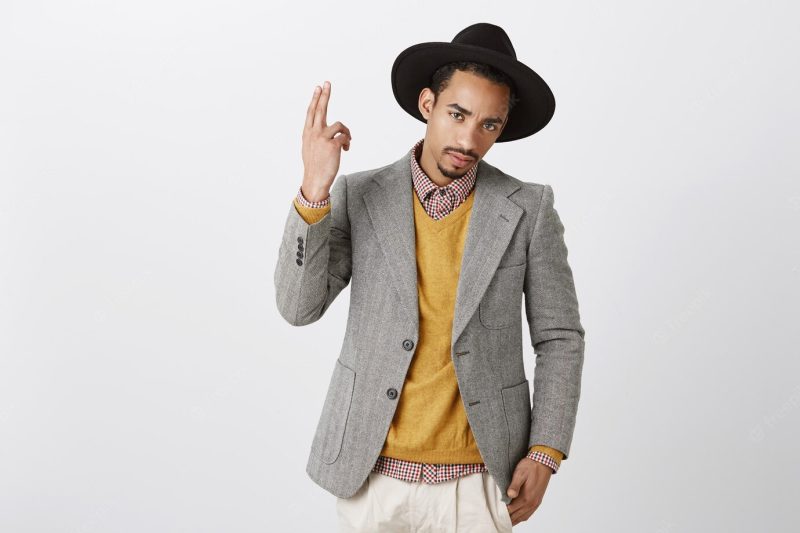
(327, 442)
(517, 407)
(501, 304)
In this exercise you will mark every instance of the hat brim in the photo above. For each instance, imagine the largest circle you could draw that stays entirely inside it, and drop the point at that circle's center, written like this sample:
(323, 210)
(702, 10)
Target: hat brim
(413, 68)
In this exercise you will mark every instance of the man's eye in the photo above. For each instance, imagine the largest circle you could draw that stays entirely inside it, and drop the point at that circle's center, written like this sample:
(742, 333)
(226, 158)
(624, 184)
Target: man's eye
(454, 113)
(492, 125)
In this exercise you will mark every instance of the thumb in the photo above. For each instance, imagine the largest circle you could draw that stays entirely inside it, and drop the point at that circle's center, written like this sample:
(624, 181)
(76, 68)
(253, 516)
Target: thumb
(343, 140)
(516, 483)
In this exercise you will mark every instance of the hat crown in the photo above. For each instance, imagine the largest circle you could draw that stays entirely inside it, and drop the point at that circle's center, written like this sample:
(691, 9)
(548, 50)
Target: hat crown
(488, 36)
(483, 43)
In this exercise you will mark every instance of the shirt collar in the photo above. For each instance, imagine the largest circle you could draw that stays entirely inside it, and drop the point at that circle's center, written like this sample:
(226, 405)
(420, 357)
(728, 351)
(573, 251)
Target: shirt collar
(424, 186)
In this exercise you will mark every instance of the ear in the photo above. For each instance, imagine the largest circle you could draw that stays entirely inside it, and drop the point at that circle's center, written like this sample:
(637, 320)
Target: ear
(426, 102)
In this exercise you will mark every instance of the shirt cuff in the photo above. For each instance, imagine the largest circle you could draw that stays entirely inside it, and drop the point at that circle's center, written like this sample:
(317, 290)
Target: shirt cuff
(546, 455)
(306, 203)
(311, 212)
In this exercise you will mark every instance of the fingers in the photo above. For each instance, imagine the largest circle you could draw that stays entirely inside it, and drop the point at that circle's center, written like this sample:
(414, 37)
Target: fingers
(518, 478)
(343, 138)
(337, 127)
(316, 118)
(322, 106)
(312, 106)
(343, 141)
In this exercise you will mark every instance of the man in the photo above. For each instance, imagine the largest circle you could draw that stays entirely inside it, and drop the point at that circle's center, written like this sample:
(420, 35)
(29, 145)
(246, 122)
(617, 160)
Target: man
(428, 420)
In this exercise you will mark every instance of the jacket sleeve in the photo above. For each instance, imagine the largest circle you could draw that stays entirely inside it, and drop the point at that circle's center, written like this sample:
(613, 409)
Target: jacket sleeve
(314, 259)
(551, 307)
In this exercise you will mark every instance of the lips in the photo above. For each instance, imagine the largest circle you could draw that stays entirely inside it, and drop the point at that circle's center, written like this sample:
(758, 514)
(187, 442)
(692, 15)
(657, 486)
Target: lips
(458, 160)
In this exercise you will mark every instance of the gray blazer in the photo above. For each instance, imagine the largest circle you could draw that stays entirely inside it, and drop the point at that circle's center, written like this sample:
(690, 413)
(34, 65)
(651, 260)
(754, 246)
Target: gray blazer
(514, 246)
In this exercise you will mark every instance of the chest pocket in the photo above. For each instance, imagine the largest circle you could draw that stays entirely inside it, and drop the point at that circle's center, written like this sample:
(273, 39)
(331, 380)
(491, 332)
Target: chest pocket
(502, 302)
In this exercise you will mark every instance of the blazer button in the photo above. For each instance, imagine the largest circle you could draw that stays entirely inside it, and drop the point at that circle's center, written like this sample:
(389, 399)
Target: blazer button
(299, 261)
(300, 247)
(391, 393)
(408, 344)
(300, 239)
(300, 254)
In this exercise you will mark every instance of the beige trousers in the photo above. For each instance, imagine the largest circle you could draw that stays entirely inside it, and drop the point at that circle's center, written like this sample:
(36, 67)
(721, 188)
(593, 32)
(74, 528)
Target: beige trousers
(466, 504)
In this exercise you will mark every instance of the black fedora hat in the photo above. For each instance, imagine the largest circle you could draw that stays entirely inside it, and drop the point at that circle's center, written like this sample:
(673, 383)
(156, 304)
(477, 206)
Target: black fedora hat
(482, 43)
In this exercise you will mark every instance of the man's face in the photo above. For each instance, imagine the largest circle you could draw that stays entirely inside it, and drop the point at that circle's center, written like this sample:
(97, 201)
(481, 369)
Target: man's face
(465, 121)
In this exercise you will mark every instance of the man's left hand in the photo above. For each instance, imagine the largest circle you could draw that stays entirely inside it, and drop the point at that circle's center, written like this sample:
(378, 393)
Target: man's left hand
(527, 488)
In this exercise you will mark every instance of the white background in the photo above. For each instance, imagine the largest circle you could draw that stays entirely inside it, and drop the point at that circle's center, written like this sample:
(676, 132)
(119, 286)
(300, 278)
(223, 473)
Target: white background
(149, 153)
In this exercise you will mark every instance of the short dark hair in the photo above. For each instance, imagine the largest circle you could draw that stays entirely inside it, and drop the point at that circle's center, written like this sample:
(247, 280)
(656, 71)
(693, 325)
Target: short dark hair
(441, 78)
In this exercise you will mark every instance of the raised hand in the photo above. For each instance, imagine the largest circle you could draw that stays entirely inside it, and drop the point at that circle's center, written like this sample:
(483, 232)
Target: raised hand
(322, 146)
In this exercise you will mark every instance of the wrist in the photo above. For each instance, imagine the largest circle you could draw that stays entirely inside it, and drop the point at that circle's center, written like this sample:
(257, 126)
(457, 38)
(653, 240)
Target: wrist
(314, 194)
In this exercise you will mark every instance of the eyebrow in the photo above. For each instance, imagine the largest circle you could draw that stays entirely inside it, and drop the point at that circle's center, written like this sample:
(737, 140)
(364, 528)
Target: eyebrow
(494, 120)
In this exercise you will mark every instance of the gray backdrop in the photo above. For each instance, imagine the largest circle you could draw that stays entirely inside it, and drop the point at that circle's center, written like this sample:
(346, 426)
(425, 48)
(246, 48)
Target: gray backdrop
(149, 152)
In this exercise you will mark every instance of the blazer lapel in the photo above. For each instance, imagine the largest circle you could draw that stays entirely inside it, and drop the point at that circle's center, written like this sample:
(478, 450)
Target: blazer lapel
(391, 211)
(492, 223)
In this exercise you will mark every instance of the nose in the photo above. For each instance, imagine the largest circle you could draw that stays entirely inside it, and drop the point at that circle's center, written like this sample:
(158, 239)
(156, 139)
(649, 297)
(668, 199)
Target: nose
(466, 142)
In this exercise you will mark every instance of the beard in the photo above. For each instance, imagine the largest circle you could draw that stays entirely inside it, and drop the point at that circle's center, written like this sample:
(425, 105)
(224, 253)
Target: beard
(454, 174)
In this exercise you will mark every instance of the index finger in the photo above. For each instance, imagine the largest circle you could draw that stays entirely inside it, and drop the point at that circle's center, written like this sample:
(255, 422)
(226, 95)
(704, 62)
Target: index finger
(322, 106)
(312, 106)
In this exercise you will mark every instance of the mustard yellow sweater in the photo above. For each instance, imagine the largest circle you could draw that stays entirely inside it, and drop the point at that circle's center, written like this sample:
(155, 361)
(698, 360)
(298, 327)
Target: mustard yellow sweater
(430, 424)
